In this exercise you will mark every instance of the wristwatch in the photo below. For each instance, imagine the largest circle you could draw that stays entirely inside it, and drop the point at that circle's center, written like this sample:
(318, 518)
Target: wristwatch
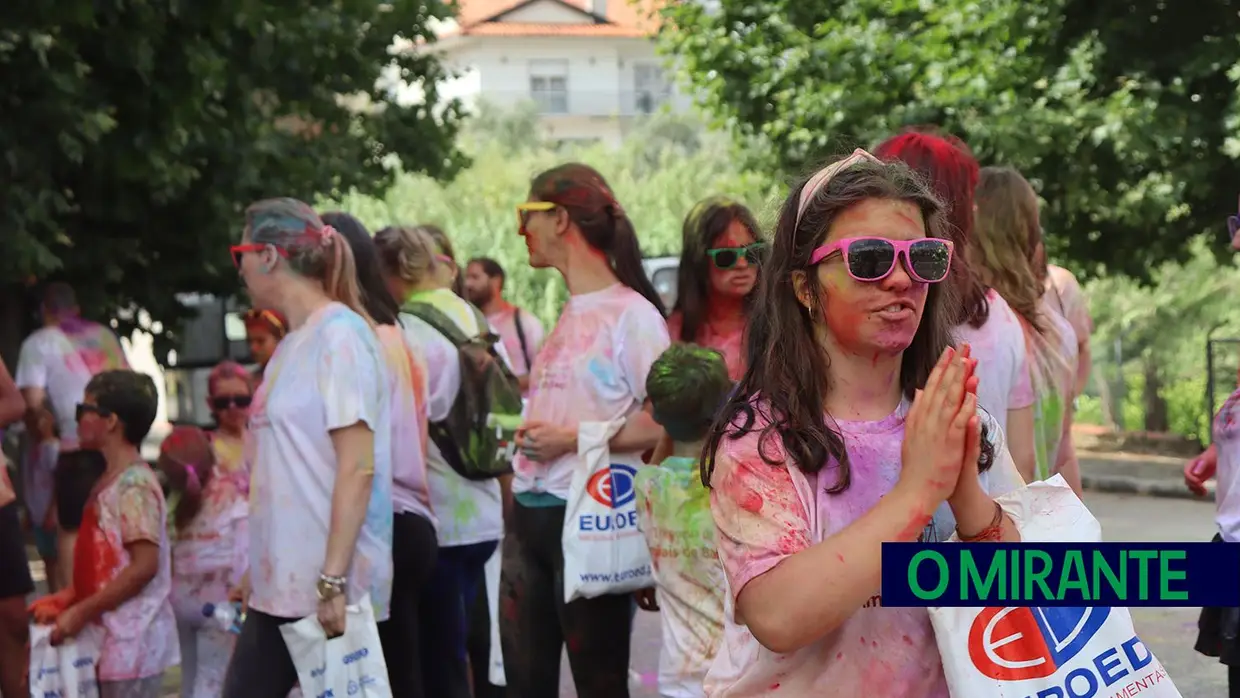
(330, 587)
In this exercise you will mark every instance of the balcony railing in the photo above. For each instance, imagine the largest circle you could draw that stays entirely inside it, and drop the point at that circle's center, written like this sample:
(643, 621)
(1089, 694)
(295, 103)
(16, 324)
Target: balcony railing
(584, 102)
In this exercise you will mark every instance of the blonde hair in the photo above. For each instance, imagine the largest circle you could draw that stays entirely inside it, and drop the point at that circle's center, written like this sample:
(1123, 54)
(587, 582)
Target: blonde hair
(313, 249)
(408, 253)
(1005, 241)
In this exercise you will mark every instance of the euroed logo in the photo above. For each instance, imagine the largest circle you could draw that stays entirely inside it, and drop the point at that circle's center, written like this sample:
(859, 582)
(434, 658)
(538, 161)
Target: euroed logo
(1019, 644)
(1013, 644)
(613, 487)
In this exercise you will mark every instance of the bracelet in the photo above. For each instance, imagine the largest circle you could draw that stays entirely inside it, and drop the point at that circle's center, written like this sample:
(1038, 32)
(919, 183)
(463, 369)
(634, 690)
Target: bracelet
(991, 534)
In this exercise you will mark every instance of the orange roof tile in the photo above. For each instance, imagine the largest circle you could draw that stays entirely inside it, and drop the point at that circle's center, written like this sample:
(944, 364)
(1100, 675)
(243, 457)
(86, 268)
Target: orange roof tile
(625, 18)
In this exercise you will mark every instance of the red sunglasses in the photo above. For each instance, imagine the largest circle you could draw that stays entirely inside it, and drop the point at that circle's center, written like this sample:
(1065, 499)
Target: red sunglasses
(238, 250)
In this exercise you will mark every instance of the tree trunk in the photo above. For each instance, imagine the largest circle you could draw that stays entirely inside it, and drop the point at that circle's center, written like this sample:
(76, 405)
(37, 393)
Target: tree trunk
(1155, 405)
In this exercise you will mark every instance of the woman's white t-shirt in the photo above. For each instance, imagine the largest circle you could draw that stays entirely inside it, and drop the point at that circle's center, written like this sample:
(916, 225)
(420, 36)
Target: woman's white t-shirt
(468, 511)
(327, 374)
(592, 368)
(998, 345)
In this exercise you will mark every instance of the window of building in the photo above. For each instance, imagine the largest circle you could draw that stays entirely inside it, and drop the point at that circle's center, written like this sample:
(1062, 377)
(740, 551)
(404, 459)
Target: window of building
(549, 86)
(651, 88)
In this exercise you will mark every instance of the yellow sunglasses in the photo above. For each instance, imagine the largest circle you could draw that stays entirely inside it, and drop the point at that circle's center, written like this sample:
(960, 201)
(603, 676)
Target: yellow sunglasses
(524, 209)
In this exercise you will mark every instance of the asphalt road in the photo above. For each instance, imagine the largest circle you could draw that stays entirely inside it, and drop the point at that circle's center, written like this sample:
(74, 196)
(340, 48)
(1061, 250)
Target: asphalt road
(1168, 632)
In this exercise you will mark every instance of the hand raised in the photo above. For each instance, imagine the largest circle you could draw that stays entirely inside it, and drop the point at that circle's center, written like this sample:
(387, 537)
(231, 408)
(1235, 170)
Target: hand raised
(935, 432)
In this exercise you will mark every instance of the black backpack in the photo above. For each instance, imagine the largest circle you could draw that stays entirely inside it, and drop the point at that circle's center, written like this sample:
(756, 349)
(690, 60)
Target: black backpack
(478, 438)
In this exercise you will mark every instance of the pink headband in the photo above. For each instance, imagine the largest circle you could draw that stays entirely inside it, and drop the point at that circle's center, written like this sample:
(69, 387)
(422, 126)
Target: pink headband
(823, 176)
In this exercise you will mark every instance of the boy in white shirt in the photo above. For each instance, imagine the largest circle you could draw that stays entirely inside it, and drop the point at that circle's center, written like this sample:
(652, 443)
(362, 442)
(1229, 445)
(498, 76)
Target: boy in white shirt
(686, 385)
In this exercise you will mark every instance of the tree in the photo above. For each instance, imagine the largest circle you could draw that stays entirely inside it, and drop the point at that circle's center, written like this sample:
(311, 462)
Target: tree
(133, 133)
(1123, 115)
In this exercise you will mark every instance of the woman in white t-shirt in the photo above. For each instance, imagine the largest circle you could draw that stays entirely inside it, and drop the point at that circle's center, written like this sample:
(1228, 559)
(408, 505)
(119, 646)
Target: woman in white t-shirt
(592, 368)
(469, 512)
(321, 487)
(987, 323)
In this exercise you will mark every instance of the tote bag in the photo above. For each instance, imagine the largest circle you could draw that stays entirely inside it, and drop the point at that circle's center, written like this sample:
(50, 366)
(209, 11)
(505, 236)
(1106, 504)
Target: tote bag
(1047, 652)
(604, 552)
(68, 670)
(349, 665)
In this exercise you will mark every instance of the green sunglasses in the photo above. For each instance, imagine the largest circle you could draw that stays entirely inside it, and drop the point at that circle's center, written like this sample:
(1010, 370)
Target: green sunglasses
(729, 257)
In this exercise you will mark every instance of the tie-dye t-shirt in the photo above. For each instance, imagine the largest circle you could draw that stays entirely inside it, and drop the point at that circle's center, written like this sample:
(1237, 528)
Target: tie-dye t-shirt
(468, 511)
(61, 360)
(592, 369)
(406, 364)
(730, 344)
(211, 553)
(1053, 367)
(1227, 493)
(765, 513)
(327, 374)
(1004, 383)
(140, 634)
(673, 512)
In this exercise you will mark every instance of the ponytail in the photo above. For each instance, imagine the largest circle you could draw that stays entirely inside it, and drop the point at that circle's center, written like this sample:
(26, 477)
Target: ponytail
(187, 461)
(341, 277)
(626, 260)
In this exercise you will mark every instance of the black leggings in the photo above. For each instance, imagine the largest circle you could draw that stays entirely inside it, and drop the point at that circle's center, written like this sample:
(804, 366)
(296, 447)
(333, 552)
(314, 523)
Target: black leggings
(413, 559)
(261, 666)
(535, 622)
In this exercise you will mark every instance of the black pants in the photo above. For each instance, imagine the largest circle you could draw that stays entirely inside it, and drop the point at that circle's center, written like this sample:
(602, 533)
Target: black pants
(446, 602)
(261, 666)
(535, 623)
(413, 560)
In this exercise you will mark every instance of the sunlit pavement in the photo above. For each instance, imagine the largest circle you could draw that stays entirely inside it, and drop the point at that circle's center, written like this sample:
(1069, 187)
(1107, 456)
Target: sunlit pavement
(1169, 632)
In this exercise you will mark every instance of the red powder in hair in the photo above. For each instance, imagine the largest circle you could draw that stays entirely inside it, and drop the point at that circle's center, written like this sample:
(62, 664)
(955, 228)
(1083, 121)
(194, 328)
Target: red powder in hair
(948, 166)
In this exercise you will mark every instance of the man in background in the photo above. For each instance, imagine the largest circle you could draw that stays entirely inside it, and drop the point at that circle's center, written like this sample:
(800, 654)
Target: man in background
(520, 331)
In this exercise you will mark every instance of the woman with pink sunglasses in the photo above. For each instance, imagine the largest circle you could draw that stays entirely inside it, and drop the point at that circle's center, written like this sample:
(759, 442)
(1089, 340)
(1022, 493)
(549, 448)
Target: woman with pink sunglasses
(856, 423)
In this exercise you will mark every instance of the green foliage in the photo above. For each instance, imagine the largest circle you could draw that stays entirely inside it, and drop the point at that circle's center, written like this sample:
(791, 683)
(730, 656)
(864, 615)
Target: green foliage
(658, 174)
(1167, 324)
(134, 133)
(1124, 115)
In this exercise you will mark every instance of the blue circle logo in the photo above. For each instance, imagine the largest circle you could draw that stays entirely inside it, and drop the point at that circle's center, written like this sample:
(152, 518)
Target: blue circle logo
(613, 487)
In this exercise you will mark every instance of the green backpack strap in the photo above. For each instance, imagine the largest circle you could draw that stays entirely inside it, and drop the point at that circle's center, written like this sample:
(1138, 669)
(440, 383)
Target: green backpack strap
(438, 320)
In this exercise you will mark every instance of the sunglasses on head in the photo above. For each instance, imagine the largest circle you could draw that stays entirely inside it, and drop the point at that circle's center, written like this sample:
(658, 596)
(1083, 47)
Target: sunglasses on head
(84, 409)
(224, 402)
(729, 257)
(238, 251)
(526, 208)
(927, 260)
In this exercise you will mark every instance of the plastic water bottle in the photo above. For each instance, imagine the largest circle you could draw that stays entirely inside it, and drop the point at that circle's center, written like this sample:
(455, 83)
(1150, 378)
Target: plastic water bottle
(228, 615)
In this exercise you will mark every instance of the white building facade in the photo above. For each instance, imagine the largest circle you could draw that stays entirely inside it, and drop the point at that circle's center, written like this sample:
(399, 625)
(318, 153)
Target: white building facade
(589, 65)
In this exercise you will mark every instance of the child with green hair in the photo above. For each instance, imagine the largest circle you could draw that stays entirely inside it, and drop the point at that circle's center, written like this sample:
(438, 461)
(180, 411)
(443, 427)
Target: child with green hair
(686, 386)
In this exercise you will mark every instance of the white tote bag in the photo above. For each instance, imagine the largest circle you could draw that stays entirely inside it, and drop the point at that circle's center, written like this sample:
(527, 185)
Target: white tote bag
(492, 572)
(604, 552)
(351, 665)
(67, 670)
(1051, 652)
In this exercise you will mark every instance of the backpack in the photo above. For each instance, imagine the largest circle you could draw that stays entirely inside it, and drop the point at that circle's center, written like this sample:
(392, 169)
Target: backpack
(478, 438)
(525, 350)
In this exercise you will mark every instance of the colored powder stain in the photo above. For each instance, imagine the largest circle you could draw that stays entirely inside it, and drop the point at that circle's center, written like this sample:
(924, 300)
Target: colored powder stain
(839, 656)
(907, 640)
(873, 643)
(839, 556)
(751, 502)
(774, 686)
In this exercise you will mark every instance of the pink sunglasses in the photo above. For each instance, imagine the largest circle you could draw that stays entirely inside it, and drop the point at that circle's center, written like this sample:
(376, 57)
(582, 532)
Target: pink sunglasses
(871, 259)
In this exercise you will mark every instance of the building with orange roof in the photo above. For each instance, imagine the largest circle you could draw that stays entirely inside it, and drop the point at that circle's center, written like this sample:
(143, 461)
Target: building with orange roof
(589, 65)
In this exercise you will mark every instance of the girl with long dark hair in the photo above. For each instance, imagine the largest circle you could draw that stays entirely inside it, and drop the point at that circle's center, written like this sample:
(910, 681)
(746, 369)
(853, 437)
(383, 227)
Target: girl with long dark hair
(593, 367)
(987, 323)
(414, 545)
(856, 423)
(721, 247)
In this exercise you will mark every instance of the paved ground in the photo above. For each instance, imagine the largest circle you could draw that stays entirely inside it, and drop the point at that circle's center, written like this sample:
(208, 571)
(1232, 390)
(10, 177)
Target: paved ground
(1169, 632)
